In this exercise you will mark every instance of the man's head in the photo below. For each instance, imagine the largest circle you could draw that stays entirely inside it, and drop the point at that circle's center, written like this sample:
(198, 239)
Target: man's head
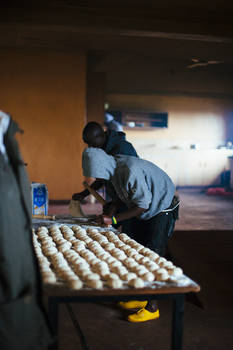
(93, 135)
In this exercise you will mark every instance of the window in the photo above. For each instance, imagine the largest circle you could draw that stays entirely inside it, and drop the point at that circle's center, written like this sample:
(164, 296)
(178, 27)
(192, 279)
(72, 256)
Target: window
(141, 119)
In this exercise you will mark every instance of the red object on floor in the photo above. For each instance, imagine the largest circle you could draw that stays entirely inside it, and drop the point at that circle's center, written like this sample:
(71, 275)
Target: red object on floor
(219, 191)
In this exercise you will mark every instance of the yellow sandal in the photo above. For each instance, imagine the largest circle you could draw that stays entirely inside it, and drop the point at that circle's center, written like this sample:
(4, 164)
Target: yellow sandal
(132, 304)
(143, 315)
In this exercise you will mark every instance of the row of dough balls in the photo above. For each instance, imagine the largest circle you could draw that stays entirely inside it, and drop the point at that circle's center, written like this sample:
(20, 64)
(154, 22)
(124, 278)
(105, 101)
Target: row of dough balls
(163, 273)
(114, 259)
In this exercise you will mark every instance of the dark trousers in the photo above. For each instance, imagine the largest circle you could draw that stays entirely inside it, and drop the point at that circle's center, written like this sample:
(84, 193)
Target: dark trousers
(155, 232)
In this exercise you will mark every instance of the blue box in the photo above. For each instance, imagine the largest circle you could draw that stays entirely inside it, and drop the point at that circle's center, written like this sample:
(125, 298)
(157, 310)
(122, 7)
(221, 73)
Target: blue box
(40, 198)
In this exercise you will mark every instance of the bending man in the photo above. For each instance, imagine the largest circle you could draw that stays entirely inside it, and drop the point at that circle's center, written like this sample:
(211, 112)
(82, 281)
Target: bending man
(148, 192)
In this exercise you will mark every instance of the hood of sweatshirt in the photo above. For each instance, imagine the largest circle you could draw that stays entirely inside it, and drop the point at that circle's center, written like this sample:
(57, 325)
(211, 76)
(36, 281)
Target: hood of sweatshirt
(97, 163)
(113, 139)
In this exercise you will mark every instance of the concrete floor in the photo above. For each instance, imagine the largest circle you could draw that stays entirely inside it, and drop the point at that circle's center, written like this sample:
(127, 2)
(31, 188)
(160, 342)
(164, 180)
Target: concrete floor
(202, 246)
(199, 211)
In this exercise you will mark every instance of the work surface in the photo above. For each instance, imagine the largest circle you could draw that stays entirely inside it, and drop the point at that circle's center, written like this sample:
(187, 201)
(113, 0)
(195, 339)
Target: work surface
(82, 263)
(206, 256)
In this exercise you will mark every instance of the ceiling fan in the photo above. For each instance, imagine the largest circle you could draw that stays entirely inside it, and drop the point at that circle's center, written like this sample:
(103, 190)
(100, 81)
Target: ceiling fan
(198, 62)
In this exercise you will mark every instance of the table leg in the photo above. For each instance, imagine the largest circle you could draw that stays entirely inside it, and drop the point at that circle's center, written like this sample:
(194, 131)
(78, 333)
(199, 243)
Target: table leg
(177, 321)
(53, 305)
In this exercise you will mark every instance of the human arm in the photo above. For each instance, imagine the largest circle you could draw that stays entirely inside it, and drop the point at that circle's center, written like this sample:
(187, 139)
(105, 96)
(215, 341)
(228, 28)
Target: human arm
(95, 184)
(110, 208)
(127, 214)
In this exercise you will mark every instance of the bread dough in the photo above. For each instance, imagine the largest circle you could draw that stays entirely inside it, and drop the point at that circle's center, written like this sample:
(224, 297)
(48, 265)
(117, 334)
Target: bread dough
(75, 284)
(129, 276)
(136, 283)
(175, 272)
(161, 275)
(95, 284)
(114, 283)
(148, 277)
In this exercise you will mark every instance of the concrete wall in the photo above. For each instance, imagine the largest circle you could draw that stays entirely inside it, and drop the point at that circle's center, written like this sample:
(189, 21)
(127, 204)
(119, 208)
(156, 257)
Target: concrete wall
(46, 95)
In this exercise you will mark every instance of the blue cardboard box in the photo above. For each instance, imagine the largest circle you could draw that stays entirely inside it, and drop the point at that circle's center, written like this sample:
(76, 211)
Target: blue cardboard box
(40, 198)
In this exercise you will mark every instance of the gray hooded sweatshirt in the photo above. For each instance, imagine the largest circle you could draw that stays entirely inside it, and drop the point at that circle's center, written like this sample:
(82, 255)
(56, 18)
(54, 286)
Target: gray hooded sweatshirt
(136, 181)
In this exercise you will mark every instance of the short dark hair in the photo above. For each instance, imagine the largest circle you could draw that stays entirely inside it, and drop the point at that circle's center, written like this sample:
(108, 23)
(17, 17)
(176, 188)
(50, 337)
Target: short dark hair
(93, 134)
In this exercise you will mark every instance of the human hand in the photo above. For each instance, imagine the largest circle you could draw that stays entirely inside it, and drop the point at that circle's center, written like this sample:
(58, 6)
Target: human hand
(104, 220)
(110, 208)
(107, 208)
(78, 197)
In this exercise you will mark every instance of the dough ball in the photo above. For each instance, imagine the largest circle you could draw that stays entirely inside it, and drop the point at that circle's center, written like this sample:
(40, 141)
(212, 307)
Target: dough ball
(161, 275)
(136, 283)
(144, 260)
(92, 230)
(95, 284)
(123, 236)
(166, 264)
(138, 257)
(175, 272)
(75, 284)
(119, 244)
(93, 276)
(148, 277)
(103, 255)
(110, 259)
(160, 260)
(132, 253)
(50, 251)
(49, 277)
(64, 246)
(152, 255)
(151, 266)
(145, 251)
(79, 243)
(115, 263)
(129, 276)
(113, 276)
(114, 283)
(121, 270)
(141, 272)
(109, 246)
(83, 273)
(110, 234)
(120, 256)
(104, 274)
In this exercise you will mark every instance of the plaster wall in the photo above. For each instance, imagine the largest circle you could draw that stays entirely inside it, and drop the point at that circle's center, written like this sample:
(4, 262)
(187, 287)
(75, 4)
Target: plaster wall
(206, 123)
(202, 121)
(46, 94)
(95, 97)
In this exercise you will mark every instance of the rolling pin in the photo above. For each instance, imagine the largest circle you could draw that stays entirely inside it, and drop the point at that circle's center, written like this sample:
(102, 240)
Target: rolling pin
(46, 217)
(94, 193)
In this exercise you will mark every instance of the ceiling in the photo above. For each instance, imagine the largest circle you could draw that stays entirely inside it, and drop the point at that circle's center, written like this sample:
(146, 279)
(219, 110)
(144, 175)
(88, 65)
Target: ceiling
(178, 48)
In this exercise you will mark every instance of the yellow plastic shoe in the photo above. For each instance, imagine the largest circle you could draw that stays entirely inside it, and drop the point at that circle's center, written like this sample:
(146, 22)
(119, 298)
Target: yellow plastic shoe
(143, 315)
(132, 304)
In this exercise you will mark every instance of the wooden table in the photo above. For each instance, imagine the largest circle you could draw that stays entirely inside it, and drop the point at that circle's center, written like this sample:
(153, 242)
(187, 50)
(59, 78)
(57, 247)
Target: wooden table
(60, 294)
